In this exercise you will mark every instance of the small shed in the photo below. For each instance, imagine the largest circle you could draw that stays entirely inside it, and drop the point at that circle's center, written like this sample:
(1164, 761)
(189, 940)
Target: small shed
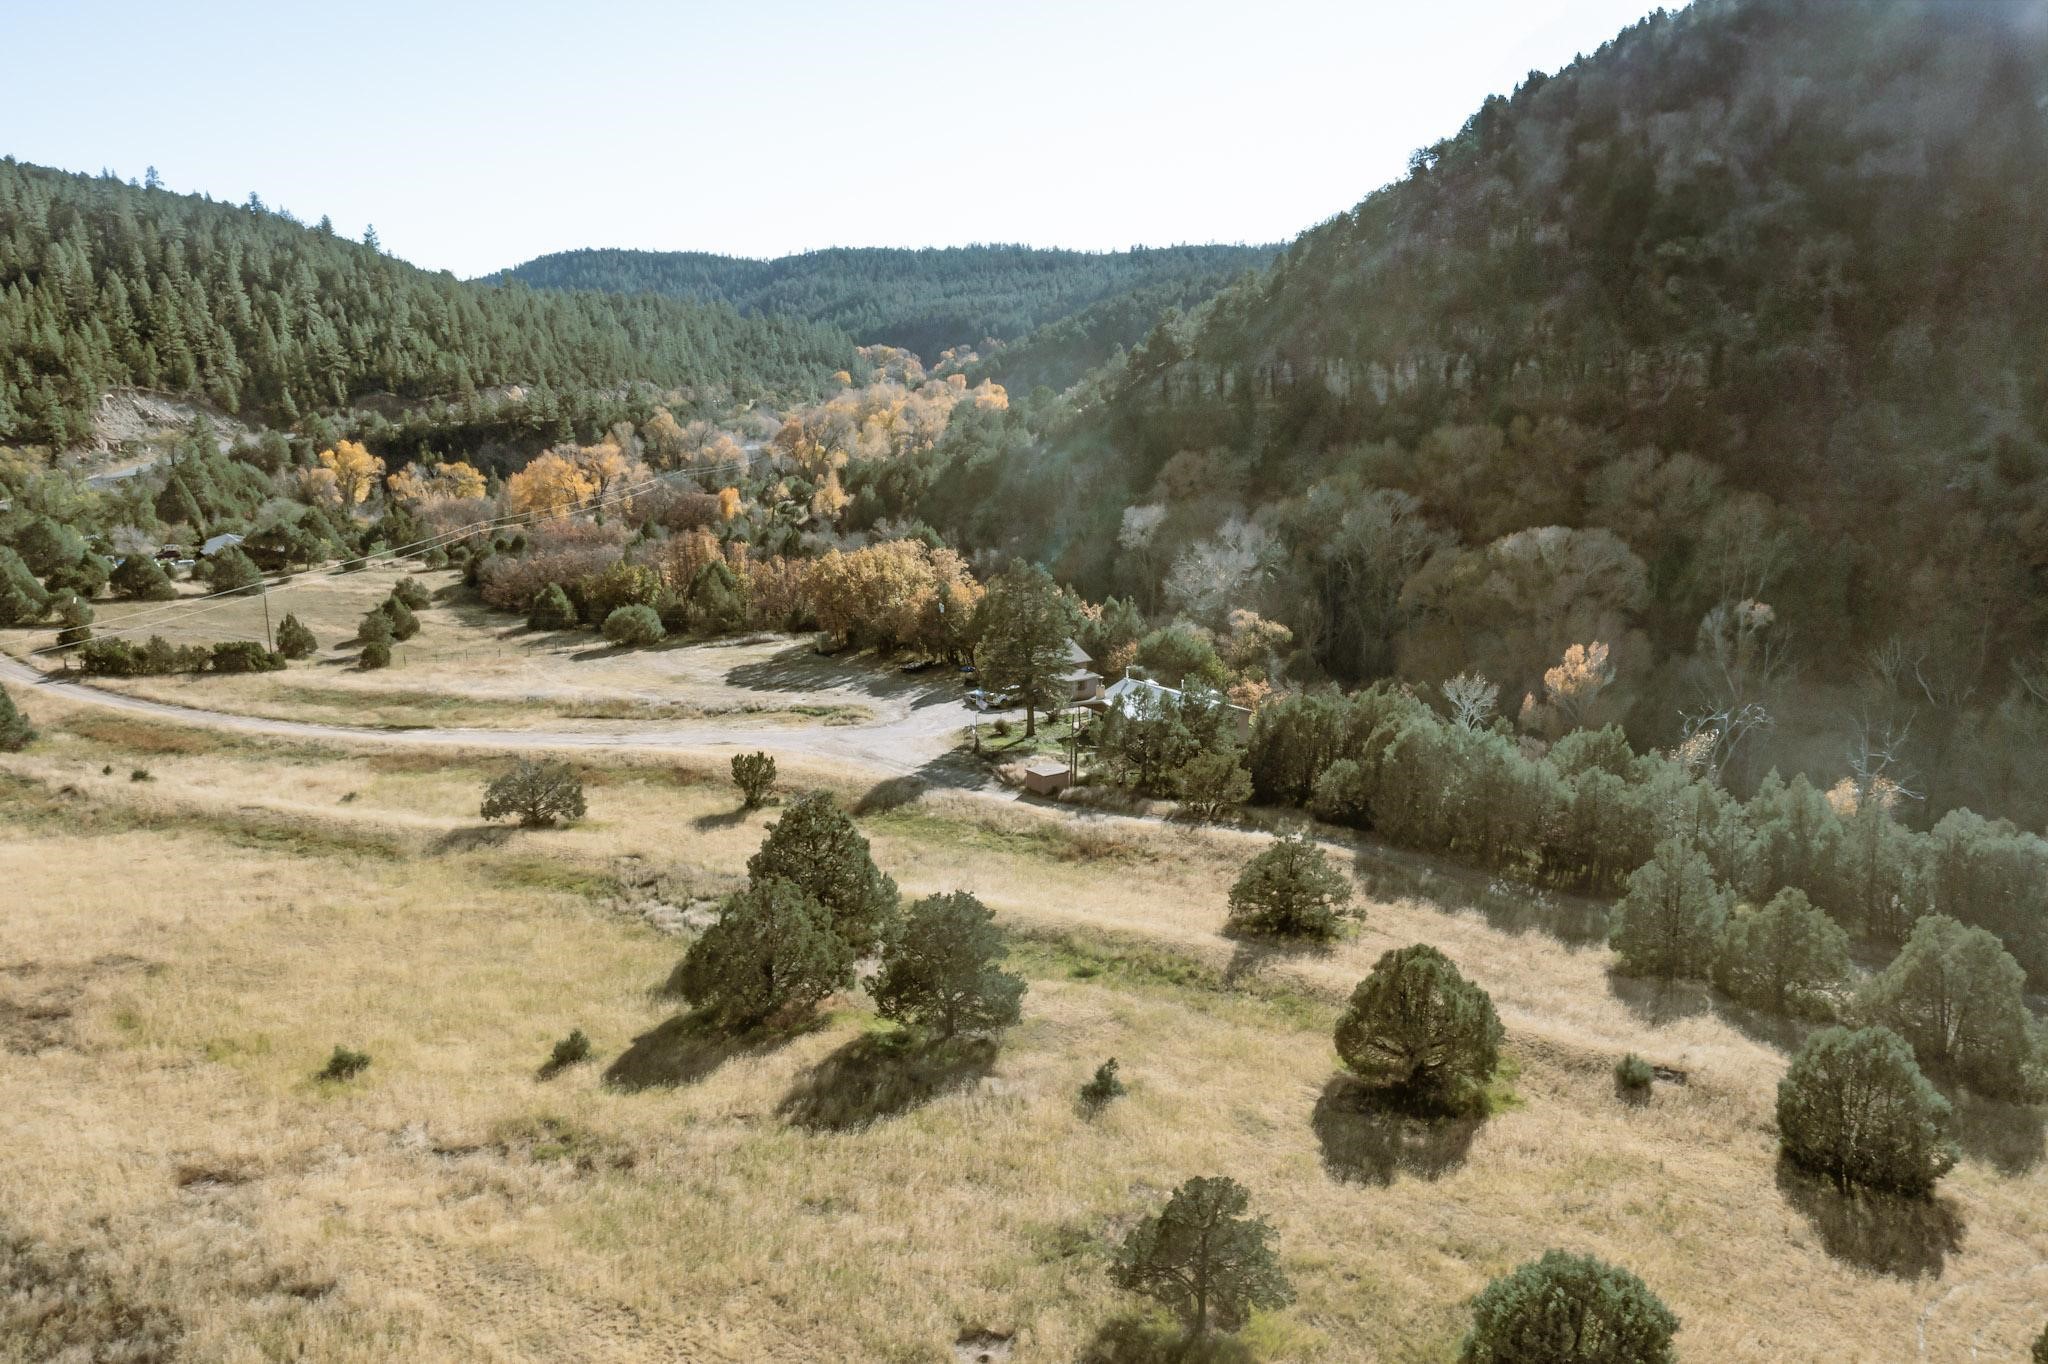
(1047, 776)
(1083, 682)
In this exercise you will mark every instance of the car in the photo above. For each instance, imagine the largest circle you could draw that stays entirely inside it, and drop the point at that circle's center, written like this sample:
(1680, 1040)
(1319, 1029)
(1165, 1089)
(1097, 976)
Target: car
(982, 700)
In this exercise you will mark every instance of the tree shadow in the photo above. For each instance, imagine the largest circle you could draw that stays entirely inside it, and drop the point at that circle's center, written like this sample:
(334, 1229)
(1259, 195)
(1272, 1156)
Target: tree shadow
(1147, 1340)
(1367, 1137)
(473, 839)
(687, 1048)
(1885, 1233)
(1783, 1032)
(882, 1075)
(725, 820)
(1508, 906)
(1660, 1001)
(1250, 954)
(892, 793)
(2010, 1138)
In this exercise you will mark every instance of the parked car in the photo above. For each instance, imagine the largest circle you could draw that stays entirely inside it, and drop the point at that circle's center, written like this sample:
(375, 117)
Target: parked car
(982, 700)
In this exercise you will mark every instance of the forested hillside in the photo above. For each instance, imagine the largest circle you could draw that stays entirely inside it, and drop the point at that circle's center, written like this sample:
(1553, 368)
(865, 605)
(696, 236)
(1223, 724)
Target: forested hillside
(104, 283)
(926, 301)
(1722, 348)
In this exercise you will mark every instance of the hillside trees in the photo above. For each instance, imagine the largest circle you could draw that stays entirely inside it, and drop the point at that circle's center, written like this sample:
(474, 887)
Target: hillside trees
(1203, 1258)
(1290, 890)
(816, 849)
(1026, 624)
(1957, 997)
(1417, 1027)
(1854, 1106)
(774, 947)
(939, 969)
(1667, 923)
(1569, 1309)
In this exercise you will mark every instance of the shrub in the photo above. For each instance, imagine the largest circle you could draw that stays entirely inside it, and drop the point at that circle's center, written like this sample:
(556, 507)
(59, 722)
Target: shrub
(2041, 1347)
(1668, 921)
(552, 610)
(570, 1051)
(1418, 1027)
(344, 1065)
(1569, 1309)
(141, 774)
(156, 658)
(1290, 890)
(243, 656)
(1633, 1074)
(754, 774)
(1855, 1107)
(815, 847)
(376, 654)
(634, 625)
(619, 585)
(434, 558)
(141, 578)
(413, 593)
(1104, 1086)
(1784, 957)
(294, 640)
(376, 627)
(1342, 795)
(16, 733)
(773, 948)
(1203, 1259)
(404, 624)
(717, 601)
(939, 969)
(539, 793)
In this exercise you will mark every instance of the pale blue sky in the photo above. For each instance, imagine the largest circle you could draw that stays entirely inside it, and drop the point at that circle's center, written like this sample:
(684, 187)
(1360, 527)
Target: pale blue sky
(478, 135)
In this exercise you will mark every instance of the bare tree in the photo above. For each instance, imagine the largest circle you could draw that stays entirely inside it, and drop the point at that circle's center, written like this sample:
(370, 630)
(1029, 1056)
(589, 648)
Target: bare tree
(1472, 699)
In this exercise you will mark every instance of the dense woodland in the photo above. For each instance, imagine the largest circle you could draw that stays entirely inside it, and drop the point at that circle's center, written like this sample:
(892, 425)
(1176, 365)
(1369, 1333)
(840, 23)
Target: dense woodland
(104, 283)
(1719, 348)
(930, 300)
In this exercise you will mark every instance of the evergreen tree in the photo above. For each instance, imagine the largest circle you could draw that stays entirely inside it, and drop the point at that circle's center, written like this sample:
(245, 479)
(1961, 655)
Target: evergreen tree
(16, 733)
(404, 624)
(773, 948)
(1418, 1027)
(815, 848)
(1289, 889)
(1667, 922)
(22, 598)
(539, 793)
(1203, 1259)
(754, 774)
(717, 600)
(139, 577)
(1783, 957)
(1959, 999)
(1569, 1309)
(552, 610)
(1855, 1107)
(1026, 624)
(939, 969)
(76, 617)
(294, 640)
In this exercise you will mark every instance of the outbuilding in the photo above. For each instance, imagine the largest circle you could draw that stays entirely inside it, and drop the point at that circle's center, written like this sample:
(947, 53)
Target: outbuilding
(1047, 776)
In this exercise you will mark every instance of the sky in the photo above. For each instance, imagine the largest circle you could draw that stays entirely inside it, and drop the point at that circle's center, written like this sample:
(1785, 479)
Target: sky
(477, 136)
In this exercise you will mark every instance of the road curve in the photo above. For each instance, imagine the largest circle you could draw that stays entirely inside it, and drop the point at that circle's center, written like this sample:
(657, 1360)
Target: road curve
(915, 744)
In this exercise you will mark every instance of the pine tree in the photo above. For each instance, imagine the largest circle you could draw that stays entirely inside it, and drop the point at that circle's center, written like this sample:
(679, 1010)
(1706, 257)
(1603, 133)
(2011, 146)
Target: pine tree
(1855, 1107)
(1290, 890)
(773, 948)
(939, 969)
(1569, 1309)
(815, 848)
(1203, 1259)
(1667, 922)
(16, 733)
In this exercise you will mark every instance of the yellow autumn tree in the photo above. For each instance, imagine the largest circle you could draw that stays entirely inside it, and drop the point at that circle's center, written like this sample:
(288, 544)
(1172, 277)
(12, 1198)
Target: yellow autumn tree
(355, 471)
(1570, 691)
(728, 503)
(420, 483)
(552, 485)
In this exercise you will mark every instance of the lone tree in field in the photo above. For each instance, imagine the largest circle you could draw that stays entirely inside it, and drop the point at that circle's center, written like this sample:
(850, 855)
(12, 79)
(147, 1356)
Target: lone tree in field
(16, 733)
(551, 610)
(294, 640)
(634, 626)
(1959, 999)
(1569, 1309)
(1667, 922)
(1290, 890)
(754, 774)
(939, 969)
(773, 949)
(1419, 1028)
(1026, 624)
(1855, 1107)
(1784, 957)
(815, 847)
(1201, 1257)
(539, 793)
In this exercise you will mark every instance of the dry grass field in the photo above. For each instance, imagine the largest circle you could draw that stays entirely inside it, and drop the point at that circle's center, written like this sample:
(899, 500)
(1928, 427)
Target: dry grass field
(179, 955)
(470, 666)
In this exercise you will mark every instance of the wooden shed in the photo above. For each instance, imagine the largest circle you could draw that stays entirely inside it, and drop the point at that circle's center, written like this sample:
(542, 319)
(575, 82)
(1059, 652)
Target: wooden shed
(1047, 776)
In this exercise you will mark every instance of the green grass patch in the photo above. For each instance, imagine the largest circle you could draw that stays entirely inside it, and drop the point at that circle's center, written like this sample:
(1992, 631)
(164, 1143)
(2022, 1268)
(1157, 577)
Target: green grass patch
(1130, 963)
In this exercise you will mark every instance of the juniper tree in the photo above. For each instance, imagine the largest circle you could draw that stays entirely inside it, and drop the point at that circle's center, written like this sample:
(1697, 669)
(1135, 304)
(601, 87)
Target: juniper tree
(1855, 1107)
(634, 626)
(1026, 624)
(16, 733)
(1569, 1309)
(1667, 921)
(939, 969)
(551, 610)
(815, 847)
(1203, 1259)
(404, 624)
(774, 947)
(1418, 1027)
(140, 577)
(294, 640)
(539, 793)
(1290, 890)
(1782, 957)
(1959, 1000)
(754, 774)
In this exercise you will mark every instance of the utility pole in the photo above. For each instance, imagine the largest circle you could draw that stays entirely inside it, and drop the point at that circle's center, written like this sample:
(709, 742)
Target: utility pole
(269, 640)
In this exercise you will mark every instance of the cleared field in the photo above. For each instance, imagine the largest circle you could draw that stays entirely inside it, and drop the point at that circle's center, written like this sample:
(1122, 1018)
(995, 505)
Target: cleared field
(181, 953)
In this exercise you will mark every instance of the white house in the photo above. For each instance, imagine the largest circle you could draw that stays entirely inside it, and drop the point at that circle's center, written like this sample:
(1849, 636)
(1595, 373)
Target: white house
(1139, 695)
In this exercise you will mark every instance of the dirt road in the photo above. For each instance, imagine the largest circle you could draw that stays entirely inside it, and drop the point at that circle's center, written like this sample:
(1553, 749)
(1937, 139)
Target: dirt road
(917, 739)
